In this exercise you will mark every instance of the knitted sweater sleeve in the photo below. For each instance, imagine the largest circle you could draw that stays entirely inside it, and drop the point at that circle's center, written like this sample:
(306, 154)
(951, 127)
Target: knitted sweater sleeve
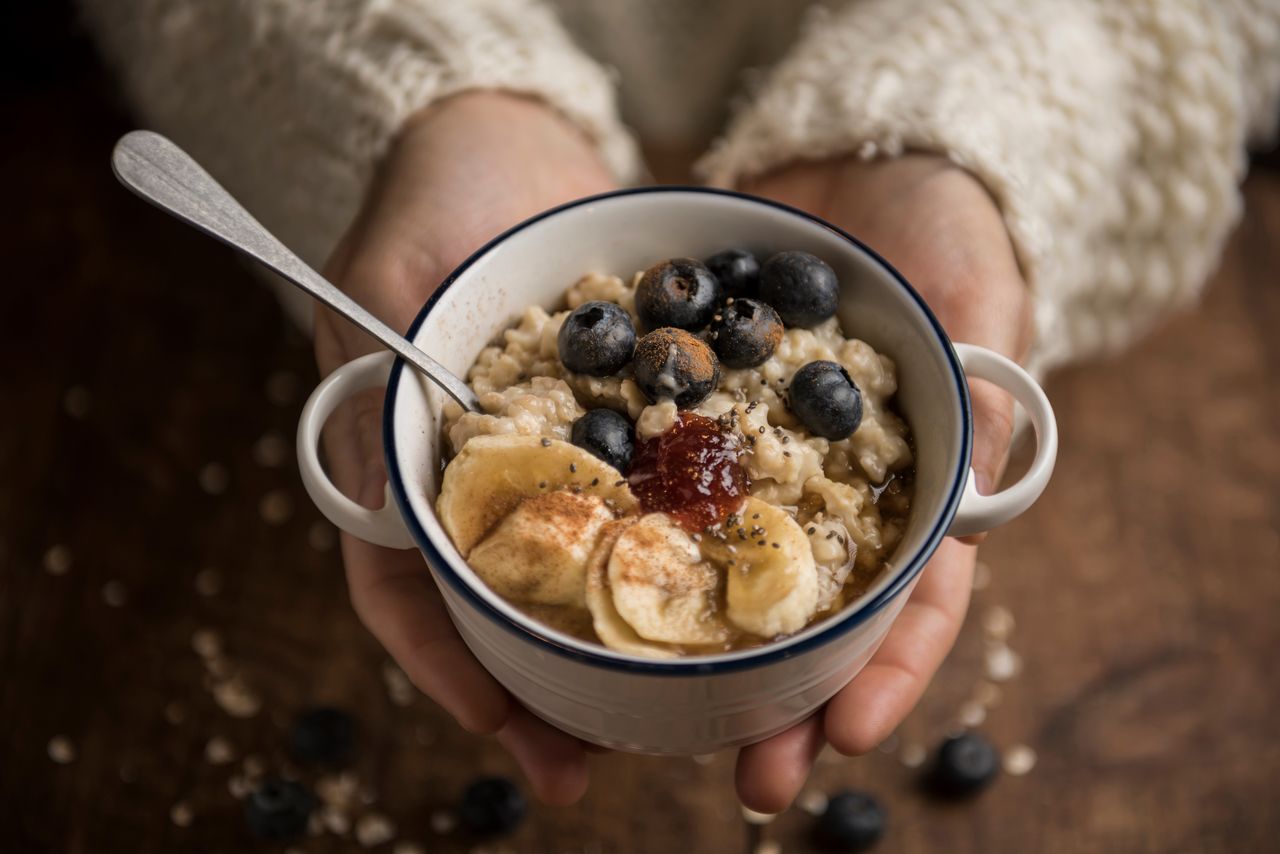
(290, 103)
(1111, 134)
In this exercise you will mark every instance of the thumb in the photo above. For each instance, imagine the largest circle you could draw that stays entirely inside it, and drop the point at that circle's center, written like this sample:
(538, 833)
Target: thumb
(992, 433)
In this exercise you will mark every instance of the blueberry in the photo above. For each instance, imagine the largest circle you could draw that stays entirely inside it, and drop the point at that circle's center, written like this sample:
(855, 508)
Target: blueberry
(607, 435)
(964, 765)
(679, 292)
(492, 805)
(746, 334)
(278, 809)
(802, 287)
(597, 338)
(853, 821)
(672, 364)
(323, 735)
(826, 400)
(737, 270)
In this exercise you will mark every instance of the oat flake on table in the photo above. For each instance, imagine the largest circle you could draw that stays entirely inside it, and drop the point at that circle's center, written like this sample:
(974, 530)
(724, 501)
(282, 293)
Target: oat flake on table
(1002, 663)
(276, 507)
(238, 786)
(443, 821)
(174, 712)
(987, 693)
(271, 450)
(218, 751)
(1019, 760)
(253, 766)
(180, 814)
(61, 750)
(399, 688)
(218, 668)
(236, 698)
(374, 829)
(812, 801)
(57, 560)
(207, 643)
(998, 622)
(337, 790)
(321, 536)
(214, 478)
(913, 754)
(768, 846)
(335, 821)
(208, 582)
(115, 594)
(971, 714)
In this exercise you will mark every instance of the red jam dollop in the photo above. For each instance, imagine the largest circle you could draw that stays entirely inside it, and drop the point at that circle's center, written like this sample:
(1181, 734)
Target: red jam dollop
(691, 472)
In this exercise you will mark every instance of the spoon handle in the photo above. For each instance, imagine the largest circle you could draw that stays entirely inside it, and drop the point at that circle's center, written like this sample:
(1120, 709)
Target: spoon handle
(166, 176)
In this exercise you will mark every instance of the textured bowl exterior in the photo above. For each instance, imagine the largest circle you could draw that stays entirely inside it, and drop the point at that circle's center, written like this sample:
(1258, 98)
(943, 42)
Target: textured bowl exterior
(645, 713)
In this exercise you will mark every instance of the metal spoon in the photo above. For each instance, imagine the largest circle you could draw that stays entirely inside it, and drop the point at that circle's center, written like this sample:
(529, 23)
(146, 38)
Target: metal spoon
(167, 177)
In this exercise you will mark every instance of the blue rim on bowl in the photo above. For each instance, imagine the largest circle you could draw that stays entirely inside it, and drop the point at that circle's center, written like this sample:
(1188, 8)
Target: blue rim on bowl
(696, 665)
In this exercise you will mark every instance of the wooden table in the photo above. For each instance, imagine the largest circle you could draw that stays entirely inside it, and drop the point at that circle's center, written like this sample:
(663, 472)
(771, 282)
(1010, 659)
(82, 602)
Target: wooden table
(150, 392)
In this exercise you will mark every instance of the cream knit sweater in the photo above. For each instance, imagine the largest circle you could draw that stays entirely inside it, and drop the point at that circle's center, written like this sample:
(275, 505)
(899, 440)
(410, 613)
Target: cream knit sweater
(1111, 132)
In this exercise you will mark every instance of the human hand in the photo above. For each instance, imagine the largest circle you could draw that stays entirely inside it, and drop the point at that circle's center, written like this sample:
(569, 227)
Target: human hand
(461, 172)
(940, 228)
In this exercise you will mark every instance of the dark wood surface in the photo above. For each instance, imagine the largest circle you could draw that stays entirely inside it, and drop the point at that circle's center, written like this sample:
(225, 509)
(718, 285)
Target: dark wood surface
(135, 353)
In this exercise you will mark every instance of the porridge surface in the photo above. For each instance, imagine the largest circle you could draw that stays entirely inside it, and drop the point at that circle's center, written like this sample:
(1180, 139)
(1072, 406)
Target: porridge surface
(850, 496)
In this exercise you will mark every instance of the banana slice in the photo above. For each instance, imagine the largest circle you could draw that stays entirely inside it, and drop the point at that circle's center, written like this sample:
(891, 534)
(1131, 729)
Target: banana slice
(538, 553)
(493, 474)
(612, 630)
(662, 587)
(772, 586)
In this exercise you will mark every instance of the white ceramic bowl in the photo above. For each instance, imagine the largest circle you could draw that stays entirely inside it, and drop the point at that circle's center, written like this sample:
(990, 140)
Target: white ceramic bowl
(704, 703)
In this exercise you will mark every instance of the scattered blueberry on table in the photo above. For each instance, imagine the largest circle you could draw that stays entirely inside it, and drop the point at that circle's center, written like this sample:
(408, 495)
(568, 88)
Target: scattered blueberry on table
(679, 292)
(737, 270)
(852, 821)
(826, 400)
(279, 809)
(671, 363)
(597, 339)
(492, 806)
(964, 765)
(607, 435)
(802, 287)
(745, 333)
(322, 735)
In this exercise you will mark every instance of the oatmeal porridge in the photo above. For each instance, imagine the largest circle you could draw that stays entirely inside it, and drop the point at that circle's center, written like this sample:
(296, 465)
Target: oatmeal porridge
(693, 461)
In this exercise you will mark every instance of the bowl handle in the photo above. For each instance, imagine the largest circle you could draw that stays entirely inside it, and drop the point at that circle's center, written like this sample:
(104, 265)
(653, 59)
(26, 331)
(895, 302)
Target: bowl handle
(383, 526)
(980, 512)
